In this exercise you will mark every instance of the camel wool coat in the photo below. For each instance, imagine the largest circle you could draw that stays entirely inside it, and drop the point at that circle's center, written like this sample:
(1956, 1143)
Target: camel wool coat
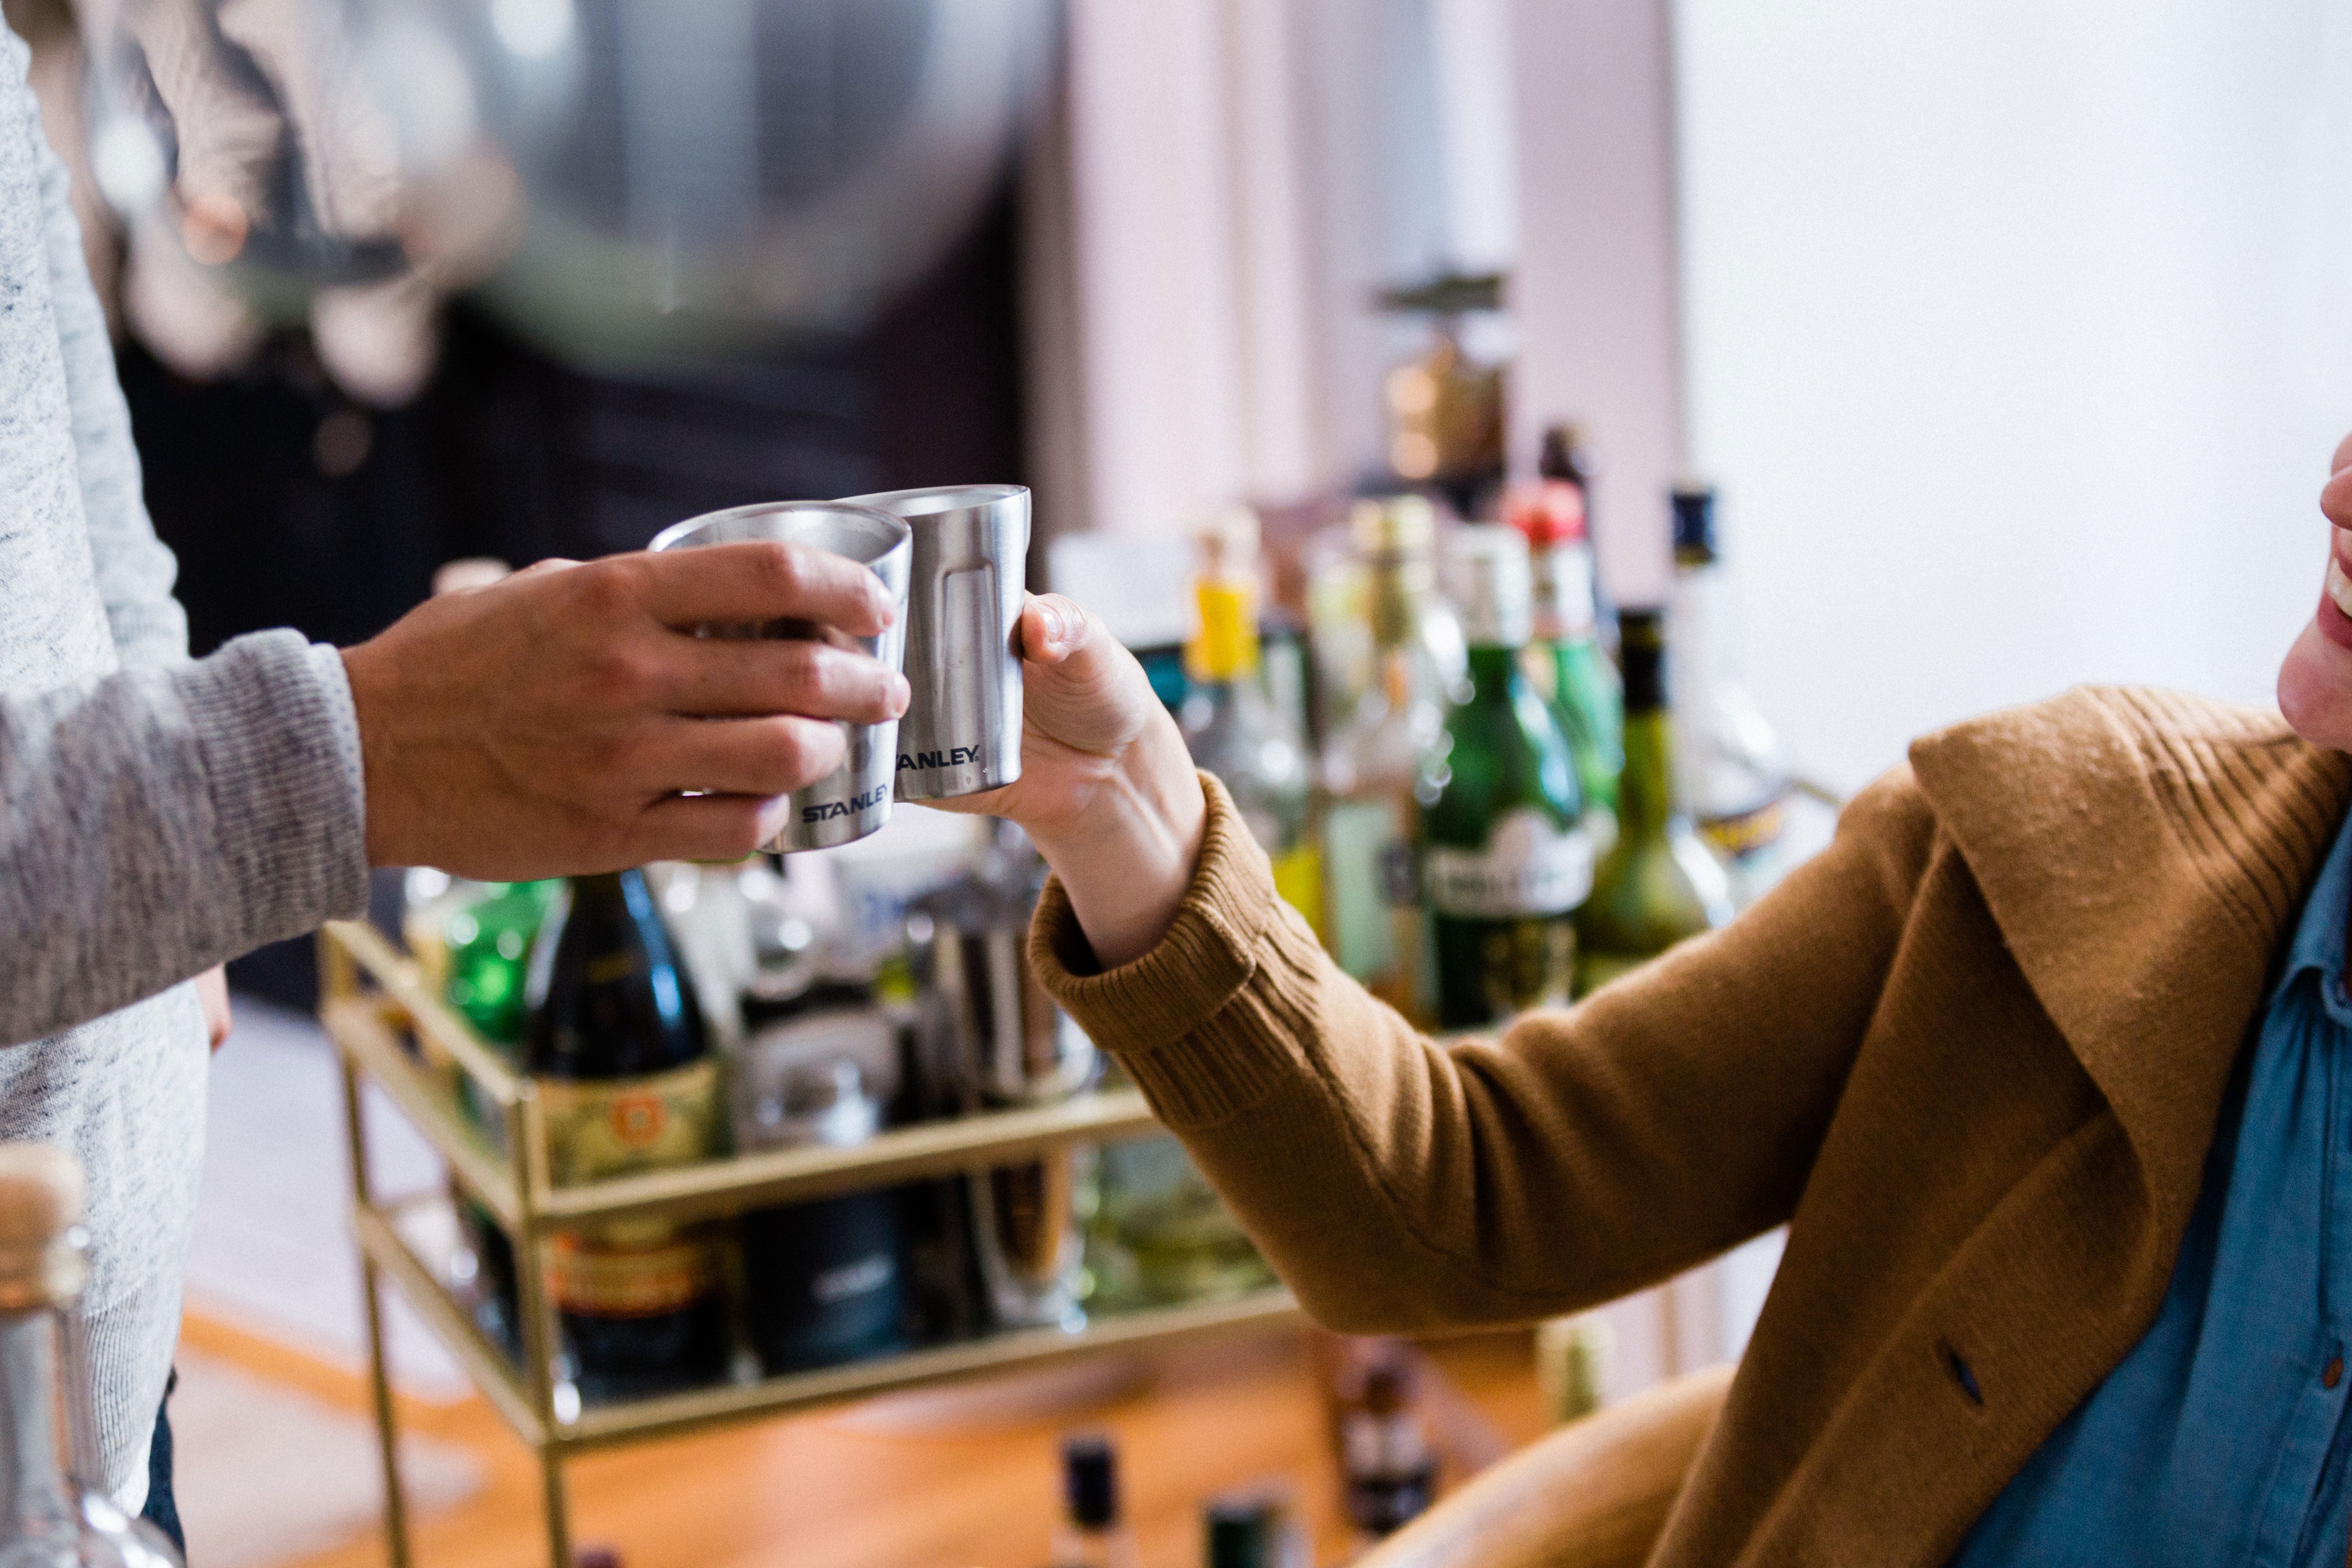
(1971, 1054)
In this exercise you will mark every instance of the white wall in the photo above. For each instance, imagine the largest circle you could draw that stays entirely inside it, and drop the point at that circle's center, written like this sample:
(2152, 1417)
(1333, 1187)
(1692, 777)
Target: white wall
(2019, 333)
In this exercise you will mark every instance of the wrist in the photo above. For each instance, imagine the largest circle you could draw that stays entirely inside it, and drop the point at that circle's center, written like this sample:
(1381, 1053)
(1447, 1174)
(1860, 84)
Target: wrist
(1128, 861)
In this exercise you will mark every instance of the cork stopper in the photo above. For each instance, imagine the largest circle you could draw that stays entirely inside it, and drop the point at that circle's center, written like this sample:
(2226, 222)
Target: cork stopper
(41, 1262)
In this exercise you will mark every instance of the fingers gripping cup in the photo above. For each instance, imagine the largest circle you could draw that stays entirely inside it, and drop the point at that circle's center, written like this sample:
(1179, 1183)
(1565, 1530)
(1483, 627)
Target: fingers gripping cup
(961, 734)
(854, 800)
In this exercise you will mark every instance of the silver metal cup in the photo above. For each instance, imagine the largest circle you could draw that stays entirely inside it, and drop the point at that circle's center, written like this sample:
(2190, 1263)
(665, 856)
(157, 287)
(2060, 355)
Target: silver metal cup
(854, 800)
(961, 734)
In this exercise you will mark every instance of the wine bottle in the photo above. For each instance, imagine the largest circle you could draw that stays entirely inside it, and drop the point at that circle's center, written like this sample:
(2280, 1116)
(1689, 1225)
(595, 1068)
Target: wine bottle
(1658, 884)
(1507, 857)
(626, 1082)
(1738, 780)
(1229, 726)
(48, 1519)
(1092, 1535)
(1379, 765)
(1566, 660)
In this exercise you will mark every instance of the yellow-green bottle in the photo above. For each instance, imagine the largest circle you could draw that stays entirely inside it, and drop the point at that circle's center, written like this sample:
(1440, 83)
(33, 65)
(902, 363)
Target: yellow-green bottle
(1229, 726)
(1658, 884)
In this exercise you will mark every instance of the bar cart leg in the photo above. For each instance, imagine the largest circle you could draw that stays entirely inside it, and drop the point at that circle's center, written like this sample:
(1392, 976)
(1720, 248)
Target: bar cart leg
(387, 1431)
(558, 1522)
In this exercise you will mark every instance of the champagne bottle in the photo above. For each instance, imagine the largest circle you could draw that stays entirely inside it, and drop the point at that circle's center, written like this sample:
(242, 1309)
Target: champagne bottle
(1092, 1534)
(1738, 780)
(626, 1082)
(1379, 765)
(1508, 856)
(1566, 660)
(1229, 726)
(1657, 885)
(47, 1517)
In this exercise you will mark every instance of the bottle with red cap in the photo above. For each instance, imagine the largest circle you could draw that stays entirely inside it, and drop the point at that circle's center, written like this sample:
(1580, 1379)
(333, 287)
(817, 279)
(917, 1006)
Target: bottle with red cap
(1565, 660)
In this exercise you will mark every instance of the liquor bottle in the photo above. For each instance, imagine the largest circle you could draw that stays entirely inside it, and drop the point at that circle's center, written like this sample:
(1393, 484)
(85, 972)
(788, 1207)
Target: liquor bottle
(1658, 884)
(820, 1279)
(626, 1082)
(1379, 767)
(1572, 1364)
(1390, 1473)
(1565, 659)
(49, 1519)
(1230, 726)
(1507, 857)
(1092, 1532)
(1737, 780)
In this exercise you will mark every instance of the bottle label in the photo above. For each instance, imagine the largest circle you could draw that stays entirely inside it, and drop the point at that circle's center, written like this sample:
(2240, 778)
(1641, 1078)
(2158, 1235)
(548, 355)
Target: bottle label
(1739, 835)
(1564, 610)
(612, 1126)
(630, 1271)
(1528, 867)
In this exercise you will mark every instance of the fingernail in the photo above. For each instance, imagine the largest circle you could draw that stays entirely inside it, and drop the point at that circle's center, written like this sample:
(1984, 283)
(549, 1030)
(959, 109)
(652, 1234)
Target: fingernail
(1057, 625)
(774, 816)
(901, 694)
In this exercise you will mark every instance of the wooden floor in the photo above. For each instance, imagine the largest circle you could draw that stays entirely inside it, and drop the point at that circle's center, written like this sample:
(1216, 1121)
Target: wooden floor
(916, 1482)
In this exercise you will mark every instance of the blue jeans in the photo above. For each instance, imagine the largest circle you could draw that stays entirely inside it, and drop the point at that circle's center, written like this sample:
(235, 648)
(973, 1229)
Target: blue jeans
(162, 1511)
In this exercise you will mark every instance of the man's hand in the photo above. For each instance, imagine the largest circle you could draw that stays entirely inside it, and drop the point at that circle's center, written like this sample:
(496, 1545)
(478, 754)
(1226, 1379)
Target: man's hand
(552, 723)
(1107, 789)
(212, 989)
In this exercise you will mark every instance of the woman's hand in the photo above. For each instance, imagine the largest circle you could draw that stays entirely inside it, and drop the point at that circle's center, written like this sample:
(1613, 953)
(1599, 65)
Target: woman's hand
(1107, 789)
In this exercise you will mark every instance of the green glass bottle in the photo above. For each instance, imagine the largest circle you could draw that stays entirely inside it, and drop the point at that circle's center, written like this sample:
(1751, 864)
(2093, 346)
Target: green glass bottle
(486, 965)
(1658, 884)
(1507, 858)
(626, 1082)
(1565, 659)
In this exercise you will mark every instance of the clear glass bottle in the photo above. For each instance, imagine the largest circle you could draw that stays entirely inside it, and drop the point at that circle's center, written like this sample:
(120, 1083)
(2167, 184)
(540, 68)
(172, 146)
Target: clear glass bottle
(1507, 857)
(1380, 764)
(1736, 778)
(1658, 884)
(47, 1518)
(1093, 1532)
(1229, 726)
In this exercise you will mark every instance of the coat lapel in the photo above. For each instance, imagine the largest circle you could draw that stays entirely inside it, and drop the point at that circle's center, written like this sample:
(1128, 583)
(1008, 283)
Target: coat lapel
(2148, 937)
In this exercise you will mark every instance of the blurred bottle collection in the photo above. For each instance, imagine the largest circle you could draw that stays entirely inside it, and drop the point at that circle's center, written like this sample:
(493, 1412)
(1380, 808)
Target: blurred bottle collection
(1502, 810)
(675, 1014)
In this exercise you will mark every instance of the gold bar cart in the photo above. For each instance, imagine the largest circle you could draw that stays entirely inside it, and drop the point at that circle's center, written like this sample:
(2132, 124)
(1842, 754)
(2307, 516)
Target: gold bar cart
(371, 996)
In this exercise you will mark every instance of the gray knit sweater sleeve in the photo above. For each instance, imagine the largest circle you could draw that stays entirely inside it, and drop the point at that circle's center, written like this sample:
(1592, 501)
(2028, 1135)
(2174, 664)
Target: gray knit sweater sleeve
(134, 568)
(161, 821)
(157, 815)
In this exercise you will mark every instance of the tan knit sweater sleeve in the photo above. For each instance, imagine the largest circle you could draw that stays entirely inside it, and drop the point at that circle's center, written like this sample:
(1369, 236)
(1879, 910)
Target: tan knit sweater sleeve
(1402, 1184)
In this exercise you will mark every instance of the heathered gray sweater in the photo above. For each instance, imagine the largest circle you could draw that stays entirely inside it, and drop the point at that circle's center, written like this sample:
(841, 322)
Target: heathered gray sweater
(157, 815)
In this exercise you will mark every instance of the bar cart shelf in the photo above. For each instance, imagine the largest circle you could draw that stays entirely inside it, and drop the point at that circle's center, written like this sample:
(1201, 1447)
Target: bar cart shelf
(390, 1031)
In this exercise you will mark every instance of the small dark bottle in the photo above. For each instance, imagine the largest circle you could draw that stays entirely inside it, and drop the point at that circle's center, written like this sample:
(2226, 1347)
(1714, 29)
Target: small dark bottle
(627, 1083)
(1092, 1535)
(1392, 1476)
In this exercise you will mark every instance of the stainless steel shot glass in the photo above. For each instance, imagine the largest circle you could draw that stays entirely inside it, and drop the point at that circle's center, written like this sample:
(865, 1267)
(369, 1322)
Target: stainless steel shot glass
(961, 734)
(854, 800)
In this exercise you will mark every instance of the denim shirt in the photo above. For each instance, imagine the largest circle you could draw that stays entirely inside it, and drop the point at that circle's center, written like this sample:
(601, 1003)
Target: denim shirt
(2221, 1437)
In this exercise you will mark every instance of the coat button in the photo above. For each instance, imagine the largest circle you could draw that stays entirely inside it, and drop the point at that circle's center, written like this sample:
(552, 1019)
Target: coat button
(2334, 1373)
